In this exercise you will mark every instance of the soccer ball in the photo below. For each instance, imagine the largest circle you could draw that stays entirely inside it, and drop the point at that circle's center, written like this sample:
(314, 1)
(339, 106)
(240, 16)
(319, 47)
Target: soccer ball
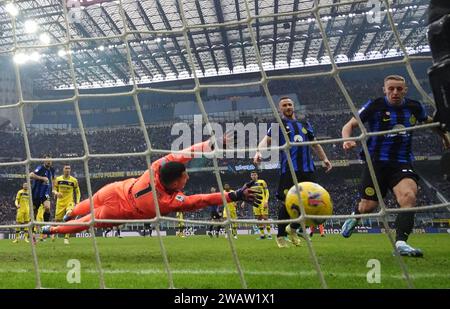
(316, 201)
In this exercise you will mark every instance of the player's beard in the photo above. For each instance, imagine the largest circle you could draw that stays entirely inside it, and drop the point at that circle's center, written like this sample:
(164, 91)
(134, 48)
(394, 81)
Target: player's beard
(289, 114)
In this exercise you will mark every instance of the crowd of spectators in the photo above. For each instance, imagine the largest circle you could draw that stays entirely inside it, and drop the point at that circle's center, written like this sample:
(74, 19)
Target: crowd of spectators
(69, 143)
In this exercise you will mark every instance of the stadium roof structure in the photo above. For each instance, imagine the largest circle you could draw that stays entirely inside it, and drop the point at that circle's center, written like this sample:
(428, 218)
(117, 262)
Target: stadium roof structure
(286, 32)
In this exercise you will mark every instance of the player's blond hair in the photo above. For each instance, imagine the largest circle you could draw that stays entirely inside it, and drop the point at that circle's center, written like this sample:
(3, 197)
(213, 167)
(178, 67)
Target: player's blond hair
(395, 77)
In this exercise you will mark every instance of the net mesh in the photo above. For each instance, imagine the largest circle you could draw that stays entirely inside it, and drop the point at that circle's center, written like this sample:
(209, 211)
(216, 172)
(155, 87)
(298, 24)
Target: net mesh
(250, 19)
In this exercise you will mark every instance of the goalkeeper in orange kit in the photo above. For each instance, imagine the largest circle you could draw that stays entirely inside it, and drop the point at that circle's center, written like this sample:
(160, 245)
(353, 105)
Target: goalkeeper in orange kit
(134, 198)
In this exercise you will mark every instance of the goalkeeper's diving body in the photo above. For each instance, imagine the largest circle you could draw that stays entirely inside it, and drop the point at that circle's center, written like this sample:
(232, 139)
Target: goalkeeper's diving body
(134, 198)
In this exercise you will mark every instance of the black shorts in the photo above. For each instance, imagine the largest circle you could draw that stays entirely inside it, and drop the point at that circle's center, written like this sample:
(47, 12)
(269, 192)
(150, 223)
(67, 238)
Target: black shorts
(388, 174)
(215, 215)
(286, 182)
(38, 200)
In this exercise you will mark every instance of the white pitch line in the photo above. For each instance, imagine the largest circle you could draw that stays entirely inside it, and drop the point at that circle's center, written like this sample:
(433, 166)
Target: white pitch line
(231, 272)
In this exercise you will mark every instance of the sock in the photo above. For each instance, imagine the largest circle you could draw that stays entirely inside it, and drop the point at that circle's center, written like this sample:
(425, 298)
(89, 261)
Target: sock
(261, 229)
(404, 225)
(268, 229)
(234, 231)
(282, 215)
(46, 216)
(356, 211)
(296, 226)
(66, 236)
(321, 229)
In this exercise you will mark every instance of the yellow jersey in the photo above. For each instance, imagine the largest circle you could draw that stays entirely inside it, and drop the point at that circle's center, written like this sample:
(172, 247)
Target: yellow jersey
(67, 187)
(231, 207)
(23, 200)
(265, 190)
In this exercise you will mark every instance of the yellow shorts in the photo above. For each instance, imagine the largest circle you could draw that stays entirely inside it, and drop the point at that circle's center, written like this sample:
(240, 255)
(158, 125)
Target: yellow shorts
(261, 210)
(233, 214)
(23, 216)
(40, 214)
(61, 210)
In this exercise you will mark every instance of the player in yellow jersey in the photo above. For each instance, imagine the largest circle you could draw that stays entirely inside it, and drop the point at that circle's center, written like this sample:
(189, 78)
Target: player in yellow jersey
(262, 212)
(39, 218)
(180, 232)
(22, 203)
(67, 193)
(40, 213)
(233, 213)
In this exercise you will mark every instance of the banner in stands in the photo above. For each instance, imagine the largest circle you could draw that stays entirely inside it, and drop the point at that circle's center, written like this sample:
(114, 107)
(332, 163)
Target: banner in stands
(192, 231)
(377, 230)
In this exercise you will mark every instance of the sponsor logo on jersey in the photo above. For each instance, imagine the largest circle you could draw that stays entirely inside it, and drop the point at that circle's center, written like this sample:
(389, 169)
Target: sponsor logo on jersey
(298, 138)
(370, 191)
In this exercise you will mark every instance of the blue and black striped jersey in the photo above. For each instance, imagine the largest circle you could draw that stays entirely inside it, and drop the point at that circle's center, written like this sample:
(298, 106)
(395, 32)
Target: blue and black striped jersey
(39, 188)
(381, 116)
(298, 131)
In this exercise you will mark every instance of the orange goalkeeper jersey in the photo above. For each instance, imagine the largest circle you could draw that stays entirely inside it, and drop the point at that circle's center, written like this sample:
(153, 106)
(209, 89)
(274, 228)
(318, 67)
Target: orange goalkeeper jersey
(139, 192)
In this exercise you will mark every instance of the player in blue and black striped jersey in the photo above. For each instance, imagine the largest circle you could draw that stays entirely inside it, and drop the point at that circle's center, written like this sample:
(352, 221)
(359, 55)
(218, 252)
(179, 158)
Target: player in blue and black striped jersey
(215, 213)
(302, 159)
(43, 177)
(391, 156)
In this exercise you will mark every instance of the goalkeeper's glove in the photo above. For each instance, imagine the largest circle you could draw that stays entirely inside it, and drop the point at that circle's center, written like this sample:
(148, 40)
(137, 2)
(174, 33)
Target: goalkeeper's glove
(229, 138)
(248, 193)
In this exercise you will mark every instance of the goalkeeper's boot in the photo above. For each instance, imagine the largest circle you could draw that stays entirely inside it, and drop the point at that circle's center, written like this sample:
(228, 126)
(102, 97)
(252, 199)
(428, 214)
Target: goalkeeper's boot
(46, 230)
(67, 216)
(281, 242)
(406, 250)
(292, 234)
(349, 227)
(15, 241)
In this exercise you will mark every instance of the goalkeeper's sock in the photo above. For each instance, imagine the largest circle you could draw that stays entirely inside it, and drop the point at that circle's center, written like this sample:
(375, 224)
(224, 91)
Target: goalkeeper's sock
(404, 225)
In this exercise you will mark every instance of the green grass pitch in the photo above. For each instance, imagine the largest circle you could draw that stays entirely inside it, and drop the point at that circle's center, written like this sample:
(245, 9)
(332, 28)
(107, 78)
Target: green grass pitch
(202, 262)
